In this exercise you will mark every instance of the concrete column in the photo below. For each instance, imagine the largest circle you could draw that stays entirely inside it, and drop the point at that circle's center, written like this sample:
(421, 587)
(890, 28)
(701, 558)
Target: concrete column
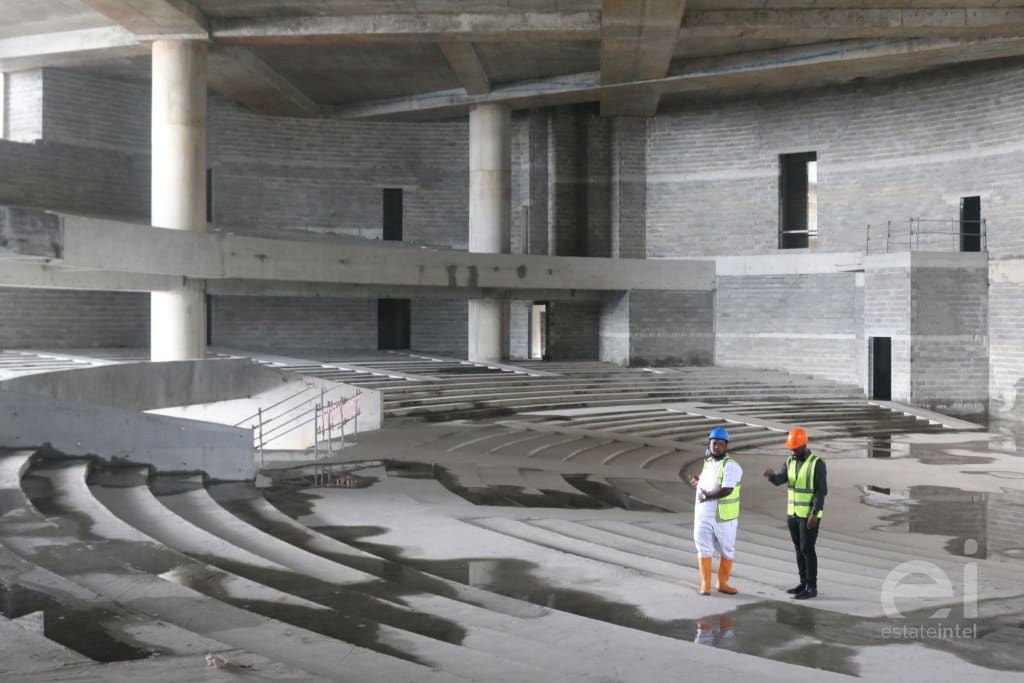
(490, 220)
(178, 190)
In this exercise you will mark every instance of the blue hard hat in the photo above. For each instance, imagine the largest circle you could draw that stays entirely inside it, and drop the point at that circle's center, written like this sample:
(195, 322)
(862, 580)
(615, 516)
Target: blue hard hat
(718, 433)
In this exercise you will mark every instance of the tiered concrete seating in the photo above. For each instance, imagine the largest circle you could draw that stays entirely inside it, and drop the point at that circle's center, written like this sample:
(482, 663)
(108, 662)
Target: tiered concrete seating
(554, 544)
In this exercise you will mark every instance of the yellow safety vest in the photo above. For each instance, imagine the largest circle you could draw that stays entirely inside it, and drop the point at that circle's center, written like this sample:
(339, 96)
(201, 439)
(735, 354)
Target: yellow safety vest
(801, 485)
(728, 506)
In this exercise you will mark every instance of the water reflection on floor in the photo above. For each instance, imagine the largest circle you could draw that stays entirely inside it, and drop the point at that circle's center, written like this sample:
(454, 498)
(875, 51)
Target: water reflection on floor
(979, 524)
(778, 630)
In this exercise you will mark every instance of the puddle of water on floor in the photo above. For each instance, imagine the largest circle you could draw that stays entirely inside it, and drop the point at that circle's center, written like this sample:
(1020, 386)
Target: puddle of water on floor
(979, 524)
(82, 630)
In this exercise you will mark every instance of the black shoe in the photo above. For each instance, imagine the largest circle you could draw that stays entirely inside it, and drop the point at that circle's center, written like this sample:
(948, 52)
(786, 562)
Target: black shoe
(809, 592)
(797, 590)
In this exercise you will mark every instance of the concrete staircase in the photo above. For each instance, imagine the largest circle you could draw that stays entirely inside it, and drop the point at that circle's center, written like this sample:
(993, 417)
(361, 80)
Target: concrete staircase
(221, 571)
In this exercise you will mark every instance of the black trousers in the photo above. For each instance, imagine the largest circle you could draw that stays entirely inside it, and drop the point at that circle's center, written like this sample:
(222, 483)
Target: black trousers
(803, 543)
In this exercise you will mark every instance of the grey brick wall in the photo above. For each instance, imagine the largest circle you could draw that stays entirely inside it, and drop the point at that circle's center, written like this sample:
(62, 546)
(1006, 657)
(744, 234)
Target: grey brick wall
(87, 111)
(887, 314)
(519, 330)
(55, 319)
(75, 179)
(1006, 347)
(78, 144)
(671, 328)
(327, 175)
(439, 326)
(597, 188)
(795, 323)
(287, 325)
(628, 187)
(573, 329)
(567, 220)
(887, 150)
(538, 179)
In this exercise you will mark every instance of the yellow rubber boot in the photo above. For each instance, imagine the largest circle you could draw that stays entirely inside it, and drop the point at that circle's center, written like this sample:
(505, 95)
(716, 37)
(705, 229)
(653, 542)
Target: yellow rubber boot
(705, 575)
(724, 569)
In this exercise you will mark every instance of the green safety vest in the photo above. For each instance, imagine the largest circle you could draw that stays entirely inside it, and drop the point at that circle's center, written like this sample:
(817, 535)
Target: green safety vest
(801, 485)
(729, 506)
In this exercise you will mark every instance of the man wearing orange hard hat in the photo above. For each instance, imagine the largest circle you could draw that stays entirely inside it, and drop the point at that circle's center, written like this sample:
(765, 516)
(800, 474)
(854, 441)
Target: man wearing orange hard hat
(806, 478)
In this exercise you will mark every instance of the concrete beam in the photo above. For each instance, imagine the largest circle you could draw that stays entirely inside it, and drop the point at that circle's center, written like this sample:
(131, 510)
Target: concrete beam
(54, 276)
(704, 74)
(323, 290)
(465, 26)
(842, 24)
(67, 48)
(465, 62)
(95, 244)
(155, 18)
(638, 41)
(239, 75)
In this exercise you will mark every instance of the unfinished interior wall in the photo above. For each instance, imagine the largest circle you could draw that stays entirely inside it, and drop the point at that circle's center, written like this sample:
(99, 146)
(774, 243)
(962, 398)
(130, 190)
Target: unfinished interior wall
(887, 150)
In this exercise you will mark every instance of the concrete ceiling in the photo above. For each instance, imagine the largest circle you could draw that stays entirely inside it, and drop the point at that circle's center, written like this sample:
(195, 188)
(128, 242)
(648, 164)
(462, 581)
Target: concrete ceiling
(431, 59)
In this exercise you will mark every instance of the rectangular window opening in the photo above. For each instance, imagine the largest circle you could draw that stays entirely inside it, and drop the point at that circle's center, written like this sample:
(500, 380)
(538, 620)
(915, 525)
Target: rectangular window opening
(538, 330)
(798, 200)
(970, 224)
(392, 214)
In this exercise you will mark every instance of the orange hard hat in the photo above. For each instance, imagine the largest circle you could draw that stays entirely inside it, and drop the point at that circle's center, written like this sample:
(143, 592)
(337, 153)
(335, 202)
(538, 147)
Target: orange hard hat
(796, 438)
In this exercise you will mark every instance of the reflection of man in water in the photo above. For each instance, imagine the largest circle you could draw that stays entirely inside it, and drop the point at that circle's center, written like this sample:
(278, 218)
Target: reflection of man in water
(716, 631)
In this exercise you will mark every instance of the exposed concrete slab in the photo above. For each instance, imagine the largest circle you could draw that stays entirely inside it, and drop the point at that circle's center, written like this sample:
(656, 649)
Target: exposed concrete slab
(638, 41)
(238, 74)
(168, 18)
(68, 48)
(466, 26)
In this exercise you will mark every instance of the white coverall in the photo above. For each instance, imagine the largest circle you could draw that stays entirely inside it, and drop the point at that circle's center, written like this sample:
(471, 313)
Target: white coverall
(709, 534)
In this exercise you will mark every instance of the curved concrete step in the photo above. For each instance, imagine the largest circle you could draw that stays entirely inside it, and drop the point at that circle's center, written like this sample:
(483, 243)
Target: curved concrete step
(479, 635)
(769, 571)
(271, 582)
(95, 567)
(643, 490)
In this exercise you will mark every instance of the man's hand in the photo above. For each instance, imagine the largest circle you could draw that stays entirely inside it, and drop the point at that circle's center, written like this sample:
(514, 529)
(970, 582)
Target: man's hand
(812, 521)
(702, 496)
(693, 480)
(769, 472)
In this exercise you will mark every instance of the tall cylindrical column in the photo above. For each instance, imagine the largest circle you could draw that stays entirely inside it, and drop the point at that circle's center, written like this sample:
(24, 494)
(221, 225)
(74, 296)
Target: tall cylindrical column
(490, 220)
(178, 188)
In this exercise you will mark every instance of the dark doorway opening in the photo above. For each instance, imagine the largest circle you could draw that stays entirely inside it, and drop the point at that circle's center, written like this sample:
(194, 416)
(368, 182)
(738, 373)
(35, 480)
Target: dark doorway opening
(798, 200)
(881, 368)
(392, 212)
(393, 327)
(970, 224)
(538, 330)
(209, 320)
(209, 195)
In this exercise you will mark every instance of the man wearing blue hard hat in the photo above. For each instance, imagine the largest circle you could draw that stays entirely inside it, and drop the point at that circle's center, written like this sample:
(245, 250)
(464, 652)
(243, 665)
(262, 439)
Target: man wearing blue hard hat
(716, 511)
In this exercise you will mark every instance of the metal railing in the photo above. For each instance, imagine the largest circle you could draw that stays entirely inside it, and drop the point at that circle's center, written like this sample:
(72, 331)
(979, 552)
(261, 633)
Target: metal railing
(927, 234)
(307, 408)
(797, 238)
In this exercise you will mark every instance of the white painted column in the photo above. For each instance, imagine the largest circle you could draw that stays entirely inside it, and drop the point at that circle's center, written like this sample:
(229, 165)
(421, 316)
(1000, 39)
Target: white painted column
(490, 220)
(178, 190)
